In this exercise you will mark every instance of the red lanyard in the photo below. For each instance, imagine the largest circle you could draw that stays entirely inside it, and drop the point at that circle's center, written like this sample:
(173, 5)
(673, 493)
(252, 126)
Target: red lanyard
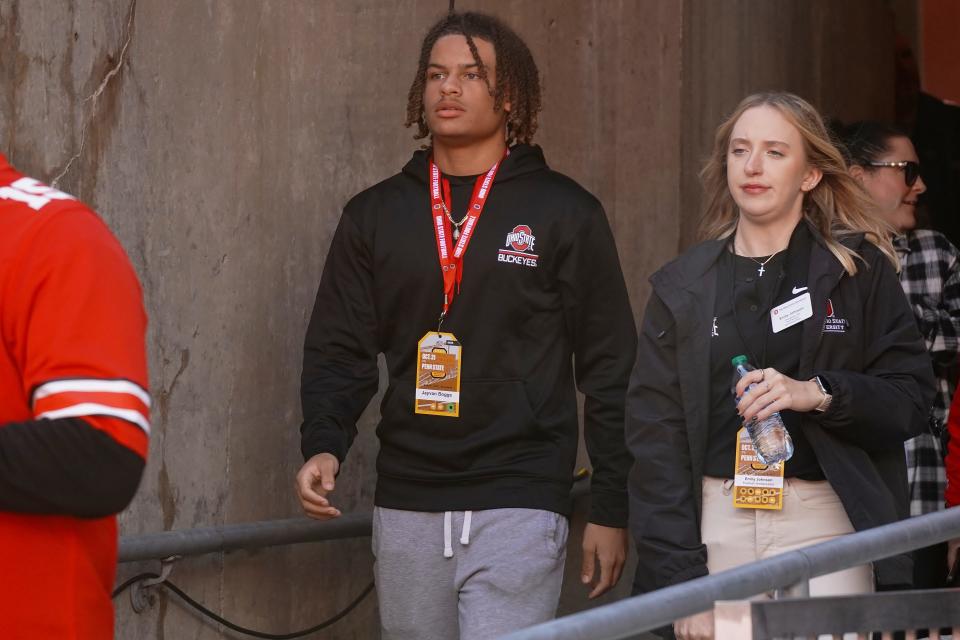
(451, 257)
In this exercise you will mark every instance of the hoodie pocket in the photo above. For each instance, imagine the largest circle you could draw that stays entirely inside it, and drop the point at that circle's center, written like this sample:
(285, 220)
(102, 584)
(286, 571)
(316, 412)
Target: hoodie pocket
(496, 424)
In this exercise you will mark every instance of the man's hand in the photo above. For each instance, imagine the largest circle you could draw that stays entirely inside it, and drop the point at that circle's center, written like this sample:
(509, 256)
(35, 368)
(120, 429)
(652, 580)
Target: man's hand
(699, 626)
(317, 478)
(609, 545)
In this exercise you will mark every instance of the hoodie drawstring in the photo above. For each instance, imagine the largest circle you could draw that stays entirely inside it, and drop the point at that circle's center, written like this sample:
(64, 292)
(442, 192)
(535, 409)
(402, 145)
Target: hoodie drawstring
(448, 531)
(447, 545)
(465, 532)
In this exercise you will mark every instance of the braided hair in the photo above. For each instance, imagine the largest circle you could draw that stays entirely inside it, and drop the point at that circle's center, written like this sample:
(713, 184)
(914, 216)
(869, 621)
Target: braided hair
(517, 78)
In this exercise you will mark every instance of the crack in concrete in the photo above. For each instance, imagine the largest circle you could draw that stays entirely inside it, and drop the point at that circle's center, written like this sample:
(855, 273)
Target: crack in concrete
(164, 395)
(92, 98)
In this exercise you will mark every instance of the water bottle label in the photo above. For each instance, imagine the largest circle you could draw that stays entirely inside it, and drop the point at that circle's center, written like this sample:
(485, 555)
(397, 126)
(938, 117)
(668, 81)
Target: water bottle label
(755, 485)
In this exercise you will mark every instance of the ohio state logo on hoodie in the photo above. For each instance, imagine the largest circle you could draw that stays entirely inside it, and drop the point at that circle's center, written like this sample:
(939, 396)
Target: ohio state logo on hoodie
(519, 247)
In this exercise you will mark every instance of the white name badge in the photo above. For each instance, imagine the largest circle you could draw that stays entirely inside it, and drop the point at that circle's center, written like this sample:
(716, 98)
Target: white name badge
(791, 312)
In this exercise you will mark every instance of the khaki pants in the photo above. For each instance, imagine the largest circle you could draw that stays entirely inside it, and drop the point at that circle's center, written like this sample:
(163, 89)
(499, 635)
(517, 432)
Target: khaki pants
(811, 513)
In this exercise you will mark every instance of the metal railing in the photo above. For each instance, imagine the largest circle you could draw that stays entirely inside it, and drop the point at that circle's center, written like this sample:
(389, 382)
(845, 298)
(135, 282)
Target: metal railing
(864, 615)
(251, 535)
(632, 616)
(171, 546)
(624, 619)
(255, 535)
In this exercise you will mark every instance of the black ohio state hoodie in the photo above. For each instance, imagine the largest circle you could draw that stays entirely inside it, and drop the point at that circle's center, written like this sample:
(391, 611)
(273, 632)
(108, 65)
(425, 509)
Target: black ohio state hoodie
(542, 310)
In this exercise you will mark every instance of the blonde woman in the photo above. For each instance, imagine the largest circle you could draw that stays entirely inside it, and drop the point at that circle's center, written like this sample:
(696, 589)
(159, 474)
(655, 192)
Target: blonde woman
(793, 274)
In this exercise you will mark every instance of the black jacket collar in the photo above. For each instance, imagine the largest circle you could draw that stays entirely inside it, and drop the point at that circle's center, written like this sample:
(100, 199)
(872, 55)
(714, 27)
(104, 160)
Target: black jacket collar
(688, 270)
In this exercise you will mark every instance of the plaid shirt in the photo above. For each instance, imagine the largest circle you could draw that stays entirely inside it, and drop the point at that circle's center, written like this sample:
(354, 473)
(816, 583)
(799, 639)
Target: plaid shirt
(930, 276)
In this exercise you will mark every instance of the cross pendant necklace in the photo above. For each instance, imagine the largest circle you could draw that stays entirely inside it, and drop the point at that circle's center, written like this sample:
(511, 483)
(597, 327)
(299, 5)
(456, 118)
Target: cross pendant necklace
(761, 270)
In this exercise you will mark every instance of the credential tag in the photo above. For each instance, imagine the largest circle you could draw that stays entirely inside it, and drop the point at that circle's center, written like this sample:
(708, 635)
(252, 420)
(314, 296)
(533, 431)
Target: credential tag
(791, 312)
(755, 485)
(438, 375)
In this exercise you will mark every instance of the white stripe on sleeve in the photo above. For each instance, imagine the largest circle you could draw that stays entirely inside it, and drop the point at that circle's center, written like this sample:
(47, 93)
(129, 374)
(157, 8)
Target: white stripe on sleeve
(91, 385)
(94, 409)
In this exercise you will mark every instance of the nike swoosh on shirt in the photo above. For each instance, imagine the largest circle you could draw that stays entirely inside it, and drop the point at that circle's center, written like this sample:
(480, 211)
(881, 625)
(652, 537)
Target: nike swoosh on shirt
(797, 290)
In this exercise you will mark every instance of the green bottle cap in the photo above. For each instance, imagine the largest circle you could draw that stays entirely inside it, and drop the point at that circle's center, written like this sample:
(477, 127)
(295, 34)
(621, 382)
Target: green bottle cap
(737, 360)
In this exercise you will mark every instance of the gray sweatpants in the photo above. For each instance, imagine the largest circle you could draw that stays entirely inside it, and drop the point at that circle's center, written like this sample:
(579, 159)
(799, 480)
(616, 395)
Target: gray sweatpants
(466, 575)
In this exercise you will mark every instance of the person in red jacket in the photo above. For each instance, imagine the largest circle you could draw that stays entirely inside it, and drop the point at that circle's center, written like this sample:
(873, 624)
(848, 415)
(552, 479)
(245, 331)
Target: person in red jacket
(74, 410)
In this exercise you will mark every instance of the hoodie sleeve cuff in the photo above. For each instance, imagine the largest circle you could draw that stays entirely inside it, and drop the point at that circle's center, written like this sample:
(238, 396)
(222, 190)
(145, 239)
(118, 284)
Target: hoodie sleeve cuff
(316, 443)
(609, 510)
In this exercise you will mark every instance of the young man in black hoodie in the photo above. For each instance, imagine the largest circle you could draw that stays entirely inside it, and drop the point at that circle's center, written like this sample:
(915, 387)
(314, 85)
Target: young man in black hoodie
(479, 425)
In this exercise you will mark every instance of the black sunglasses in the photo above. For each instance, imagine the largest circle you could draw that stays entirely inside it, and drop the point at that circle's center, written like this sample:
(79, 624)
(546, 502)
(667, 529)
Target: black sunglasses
(911, 169)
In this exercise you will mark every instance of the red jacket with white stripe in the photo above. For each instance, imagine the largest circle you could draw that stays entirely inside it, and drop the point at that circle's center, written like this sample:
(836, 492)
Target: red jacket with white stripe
(74, 410)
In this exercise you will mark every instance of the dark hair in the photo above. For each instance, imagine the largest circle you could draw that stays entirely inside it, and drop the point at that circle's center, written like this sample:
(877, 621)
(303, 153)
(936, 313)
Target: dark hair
(864, 142)
(517, 75)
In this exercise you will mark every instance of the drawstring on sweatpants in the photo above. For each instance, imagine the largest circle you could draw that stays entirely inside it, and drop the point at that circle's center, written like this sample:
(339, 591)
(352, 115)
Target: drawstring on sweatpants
(465, 532)
(448, 531)
(447, 545)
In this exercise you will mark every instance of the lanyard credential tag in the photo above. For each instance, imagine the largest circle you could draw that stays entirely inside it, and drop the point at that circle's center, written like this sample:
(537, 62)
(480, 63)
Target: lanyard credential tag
(755, 485)
(438, 375)
(439, 354)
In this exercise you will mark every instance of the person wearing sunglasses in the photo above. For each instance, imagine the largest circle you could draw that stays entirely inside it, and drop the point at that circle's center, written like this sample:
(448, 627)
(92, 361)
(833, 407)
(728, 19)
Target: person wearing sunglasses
(884, 161)
(911, 171)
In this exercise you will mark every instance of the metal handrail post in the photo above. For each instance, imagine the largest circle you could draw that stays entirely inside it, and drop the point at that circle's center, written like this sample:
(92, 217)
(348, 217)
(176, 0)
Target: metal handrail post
(798, 590)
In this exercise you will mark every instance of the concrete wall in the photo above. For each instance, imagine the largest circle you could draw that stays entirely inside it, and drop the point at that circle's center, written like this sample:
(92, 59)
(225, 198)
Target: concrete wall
(220, 139)
(837, 55)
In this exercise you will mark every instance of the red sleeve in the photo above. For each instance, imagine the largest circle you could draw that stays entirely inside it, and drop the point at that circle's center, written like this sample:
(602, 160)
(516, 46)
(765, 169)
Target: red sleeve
(80, 330)
(953, 453)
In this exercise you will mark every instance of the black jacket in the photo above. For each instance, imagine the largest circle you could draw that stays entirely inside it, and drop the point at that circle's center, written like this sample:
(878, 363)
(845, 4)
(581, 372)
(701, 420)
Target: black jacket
(515, 442)
(877, 368)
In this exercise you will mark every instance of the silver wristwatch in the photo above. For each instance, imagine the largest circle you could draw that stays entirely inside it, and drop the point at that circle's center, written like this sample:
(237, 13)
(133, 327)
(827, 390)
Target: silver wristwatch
(827, 398)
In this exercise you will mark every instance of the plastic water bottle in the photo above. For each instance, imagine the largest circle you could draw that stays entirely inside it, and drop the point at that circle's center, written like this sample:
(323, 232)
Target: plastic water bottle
(770, 437)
